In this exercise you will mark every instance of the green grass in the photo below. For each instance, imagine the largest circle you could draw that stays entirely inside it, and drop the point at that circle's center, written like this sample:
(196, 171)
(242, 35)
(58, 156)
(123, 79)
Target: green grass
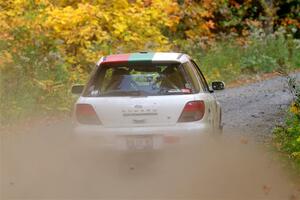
(287, 141)
(287, 135)
(227, 60)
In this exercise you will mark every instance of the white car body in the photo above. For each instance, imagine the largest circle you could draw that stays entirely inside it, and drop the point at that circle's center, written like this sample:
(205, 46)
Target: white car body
(148, 122)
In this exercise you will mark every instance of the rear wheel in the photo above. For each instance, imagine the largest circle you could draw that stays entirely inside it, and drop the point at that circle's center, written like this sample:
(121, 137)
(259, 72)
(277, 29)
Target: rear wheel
(217, 127)
(217, 130)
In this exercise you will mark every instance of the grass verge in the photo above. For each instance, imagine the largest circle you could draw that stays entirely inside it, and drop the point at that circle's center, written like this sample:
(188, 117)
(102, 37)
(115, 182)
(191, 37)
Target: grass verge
(287, 135)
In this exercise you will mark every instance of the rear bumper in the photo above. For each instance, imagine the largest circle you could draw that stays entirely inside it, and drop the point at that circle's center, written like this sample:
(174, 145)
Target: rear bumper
(104, 137)
(183, 128)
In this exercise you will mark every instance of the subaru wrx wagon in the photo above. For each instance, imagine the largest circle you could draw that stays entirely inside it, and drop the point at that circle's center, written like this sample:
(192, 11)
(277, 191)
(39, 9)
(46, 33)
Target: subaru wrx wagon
(142, 101)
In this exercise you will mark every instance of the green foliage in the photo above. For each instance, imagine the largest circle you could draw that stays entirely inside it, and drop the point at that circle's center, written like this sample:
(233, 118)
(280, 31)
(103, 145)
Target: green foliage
(34, 78)
(232, 57)
(266, 52)
(219, 62)
(287, 136)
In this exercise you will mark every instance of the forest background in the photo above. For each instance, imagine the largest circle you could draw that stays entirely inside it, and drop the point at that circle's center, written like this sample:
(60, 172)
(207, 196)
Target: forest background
(46, 46)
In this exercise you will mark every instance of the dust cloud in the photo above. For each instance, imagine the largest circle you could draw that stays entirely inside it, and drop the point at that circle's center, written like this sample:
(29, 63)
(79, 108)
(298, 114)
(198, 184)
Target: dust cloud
(47, 163)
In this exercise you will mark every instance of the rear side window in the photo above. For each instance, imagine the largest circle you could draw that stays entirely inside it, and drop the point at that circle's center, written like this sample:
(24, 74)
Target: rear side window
(192, 76)
(141, 79)
(202, 79)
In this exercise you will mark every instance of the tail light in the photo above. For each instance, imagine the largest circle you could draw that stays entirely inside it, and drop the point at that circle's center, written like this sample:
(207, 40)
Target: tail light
(86, 114)
(192, 111)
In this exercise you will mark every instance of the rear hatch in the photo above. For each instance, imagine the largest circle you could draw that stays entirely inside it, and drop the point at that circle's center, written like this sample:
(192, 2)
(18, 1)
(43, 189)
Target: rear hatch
(141, 111)
(140, 93)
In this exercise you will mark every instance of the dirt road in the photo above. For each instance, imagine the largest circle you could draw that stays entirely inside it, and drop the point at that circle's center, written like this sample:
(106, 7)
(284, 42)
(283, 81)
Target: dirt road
(254, 109)
(45, 163)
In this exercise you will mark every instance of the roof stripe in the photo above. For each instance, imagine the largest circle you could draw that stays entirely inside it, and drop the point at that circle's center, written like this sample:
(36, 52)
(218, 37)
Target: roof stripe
(141, 57)
(165, 56)
(116, 58)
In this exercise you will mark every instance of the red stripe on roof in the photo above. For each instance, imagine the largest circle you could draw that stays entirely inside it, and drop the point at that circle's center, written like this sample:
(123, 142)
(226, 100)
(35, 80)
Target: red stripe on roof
(116, 58)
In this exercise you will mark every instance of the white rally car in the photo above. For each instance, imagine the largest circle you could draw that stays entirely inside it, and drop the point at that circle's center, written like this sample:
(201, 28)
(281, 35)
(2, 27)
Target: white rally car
(145, 100)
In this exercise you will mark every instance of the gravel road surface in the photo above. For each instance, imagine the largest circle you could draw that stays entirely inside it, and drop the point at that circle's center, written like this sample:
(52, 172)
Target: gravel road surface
(45, 163)
(255, 109)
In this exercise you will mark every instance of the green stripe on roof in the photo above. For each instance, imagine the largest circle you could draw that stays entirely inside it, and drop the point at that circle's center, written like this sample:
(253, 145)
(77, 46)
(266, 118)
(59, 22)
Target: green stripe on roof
(141, 57)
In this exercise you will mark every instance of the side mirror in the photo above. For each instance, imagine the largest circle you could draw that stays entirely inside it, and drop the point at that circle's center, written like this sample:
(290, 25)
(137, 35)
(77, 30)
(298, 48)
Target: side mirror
(77, 89)
(218, 85)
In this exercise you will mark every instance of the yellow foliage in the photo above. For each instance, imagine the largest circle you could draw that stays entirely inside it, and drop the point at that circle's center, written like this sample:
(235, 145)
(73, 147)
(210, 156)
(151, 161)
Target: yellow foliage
(5, 60)
(85, 30)
(294, 108)
(296, 154)
(90, 29)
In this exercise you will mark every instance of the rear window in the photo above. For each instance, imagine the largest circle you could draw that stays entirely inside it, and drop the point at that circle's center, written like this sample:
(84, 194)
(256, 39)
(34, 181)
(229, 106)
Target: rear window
(147, 79)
